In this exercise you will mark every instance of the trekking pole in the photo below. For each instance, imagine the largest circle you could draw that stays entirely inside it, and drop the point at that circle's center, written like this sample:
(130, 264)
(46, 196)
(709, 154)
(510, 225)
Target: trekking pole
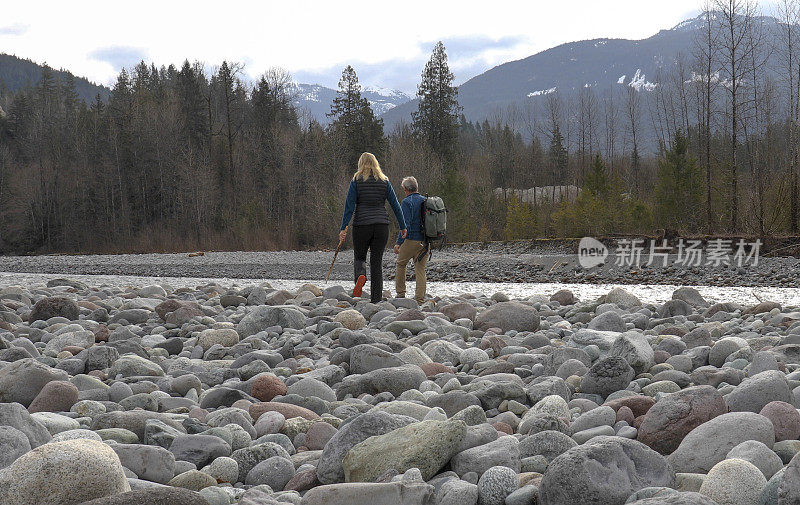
(335, 255)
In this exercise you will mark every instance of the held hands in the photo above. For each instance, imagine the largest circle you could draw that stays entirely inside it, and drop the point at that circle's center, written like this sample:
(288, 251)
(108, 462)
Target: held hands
(342, 236)
(397, 248)
(403, 233)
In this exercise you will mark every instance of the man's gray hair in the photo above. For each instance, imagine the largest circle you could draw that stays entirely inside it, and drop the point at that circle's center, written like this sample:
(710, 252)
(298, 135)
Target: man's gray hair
(410, 184)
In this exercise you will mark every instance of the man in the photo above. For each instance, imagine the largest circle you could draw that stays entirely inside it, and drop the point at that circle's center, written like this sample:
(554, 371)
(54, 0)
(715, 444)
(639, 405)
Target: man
(413, 245)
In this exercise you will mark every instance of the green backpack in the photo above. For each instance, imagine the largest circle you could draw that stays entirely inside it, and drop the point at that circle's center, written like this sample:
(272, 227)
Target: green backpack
(434, 223)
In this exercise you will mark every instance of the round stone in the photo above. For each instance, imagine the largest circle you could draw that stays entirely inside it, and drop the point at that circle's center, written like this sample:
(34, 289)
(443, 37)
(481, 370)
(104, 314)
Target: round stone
(63, 473)
(350, 319)
(495, 484)
(265, 387)
(785, 419)
(274, 472)
(734, 482)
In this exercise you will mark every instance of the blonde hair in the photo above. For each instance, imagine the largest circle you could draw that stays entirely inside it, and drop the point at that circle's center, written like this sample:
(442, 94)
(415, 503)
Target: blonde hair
(368, 166)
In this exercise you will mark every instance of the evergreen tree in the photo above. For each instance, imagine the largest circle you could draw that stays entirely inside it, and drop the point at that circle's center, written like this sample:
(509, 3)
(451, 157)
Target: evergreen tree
(597, 180)
(558, 157)
(189, 87)
(354, 120)
(520, 220)
(678, 192)
(437, 117)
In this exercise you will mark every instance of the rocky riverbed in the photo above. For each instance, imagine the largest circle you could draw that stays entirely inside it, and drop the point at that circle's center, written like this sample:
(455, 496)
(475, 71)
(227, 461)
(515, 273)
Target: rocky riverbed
(517, 262)
(251, 395)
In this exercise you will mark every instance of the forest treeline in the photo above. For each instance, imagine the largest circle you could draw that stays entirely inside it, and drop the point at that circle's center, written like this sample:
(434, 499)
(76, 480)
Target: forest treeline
(199, 158)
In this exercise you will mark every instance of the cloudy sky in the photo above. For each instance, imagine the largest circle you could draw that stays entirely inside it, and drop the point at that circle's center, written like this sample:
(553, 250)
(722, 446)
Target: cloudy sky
(386, 42)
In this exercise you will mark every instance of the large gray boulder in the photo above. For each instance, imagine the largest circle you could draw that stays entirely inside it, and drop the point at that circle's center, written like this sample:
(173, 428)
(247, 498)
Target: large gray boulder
(351, 433)
(604, 471)
(709, 443)
(63, 473)
(263, 317)
(427, 445)
(508, 316)
(755, 392)
(22, 380)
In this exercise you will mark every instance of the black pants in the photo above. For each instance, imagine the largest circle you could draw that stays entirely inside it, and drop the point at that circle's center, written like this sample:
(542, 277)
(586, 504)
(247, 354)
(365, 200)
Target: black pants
(374, 238)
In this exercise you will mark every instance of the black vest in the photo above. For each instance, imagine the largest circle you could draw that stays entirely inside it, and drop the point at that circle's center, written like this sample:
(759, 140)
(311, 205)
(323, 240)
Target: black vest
(370, 202)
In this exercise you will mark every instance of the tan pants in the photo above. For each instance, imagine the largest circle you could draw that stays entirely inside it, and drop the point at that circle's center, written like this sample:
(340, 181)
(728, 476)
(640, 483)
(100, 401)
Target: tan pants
(409, 250)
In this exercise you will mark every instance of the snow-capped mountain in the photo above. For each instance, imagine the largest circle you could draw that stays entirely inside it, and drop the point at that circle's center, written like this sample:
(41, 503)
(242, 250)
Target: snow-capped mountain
(317, 99)
(602, 64)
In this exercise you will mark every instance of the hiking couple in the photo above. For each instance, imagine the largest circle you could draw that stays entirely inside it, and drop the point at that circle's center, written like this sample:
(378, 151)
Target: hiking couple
(366, 196)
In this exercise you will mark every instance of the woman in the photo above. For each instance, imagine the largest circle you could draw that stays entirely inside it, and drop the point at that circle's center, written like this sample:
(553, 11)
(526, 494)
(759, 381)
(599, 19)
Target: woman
(366, 197)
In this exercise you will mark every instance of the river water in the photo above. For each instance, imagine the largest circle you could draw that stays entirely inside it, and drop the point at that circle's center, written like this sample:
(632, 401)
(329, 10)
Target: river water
(648, 293)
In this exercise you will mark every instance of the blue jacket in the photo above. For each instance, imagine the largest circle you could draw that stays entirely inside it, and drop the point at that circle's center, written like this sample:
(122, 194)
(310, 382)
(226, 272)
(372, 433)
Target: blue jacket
(352, 198)
(412, 210)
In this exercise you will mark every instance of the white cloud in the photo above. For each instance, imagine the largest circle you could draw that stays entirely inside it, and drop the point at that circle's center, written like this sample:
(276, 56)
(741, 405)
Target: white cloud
(315, 37)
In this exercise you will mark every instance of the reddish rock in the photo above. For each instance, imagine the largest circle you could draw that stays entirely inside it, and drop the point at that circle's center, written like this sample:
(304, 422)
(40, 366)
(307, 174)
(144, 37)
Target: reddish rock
(502, 427)
(72, 349)
(182, 315)
(492, 342)
(265, 387)
(167, 306)
(660, 356)
(432, 369)
(637, 423)
(99, 374)
(188, 309)
(318, 435)
(55, 396)
(88, 305)
(674, 416)
(6, 326)
(57, 306)
(411, 315)
(500, 367)
(625, 414)
(302, 481)
(638, 404)
(198, 413)
(101, 334)
(785, 419)
(288, 410)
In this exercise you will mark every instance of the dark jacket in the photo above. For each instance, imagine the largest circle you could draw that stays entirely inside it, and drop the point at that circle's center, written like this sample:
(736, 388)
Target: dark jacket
(412, 212)
(366, 199)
